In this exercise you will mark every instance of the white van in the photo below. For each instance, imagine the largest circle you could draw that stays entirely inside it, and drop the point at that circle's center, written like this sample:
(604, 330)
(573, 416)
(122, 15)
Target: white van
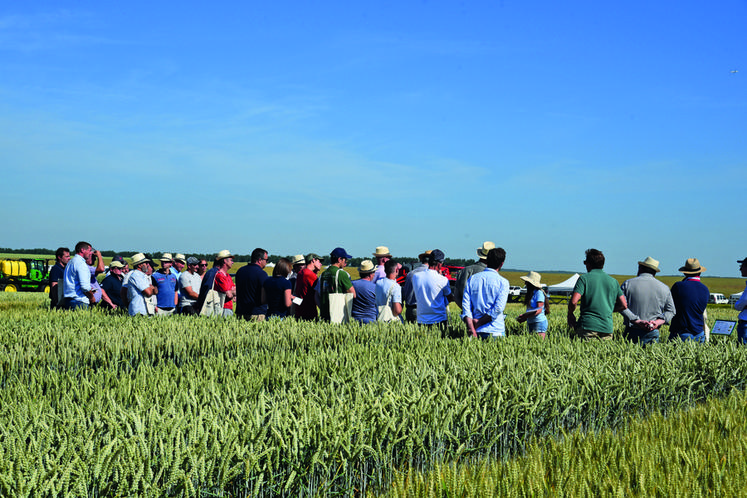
(716, 298)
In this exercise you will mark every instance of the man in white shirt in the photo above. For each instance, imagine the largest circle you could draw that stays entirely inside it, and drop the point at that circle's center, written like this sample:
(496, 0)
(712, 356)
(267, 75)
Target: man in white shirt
(433, 293)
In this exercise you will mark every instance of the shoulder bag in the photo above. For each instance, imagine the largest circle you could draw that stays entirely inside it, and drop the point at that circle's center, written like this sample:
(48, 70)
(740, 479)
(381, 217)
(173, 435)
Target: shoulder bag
(340, 303)
(214, 301)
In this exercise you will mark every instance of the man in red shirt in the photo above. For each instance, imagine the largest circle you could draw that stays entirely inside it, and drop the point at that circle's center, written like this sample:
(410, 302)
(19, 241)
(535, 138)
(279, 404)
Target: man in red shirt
(306, 310)
(224, 282)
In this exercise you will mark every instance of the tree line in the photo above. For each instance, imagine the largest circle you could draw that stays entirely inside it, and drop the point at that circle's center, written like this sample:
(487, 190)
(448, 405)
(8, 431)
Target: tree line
(239, 258)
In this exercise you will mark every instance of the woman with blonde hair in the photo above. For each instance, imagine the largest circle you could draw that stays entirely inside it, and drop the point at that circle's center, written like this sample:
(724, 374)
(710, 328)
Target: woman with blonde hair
(538, 306)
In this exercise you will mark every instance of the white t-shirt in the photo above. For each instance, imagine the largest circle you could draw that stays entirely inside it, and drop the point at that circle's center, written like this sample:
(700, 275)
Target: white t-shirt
(431, 290)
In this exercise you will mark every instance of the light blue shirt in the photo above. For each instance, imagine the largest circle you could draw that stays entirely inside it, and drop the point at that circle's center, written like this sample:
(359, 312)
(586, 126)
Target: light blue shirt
(137, 282)
(382, 289)
(76, 280)
(741, 305)
(486, 293)
(537, 297)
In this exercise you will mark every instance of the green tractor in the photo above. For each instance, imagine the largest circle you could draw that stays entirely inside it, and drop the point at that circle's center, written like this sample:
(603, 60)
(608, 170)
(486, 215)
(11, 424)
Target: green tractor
(24, 275)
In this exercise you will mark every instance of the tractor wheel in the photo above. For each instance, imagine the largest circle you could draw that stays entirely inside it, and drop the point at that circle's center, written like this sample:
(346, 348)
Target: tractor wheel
(10, 288)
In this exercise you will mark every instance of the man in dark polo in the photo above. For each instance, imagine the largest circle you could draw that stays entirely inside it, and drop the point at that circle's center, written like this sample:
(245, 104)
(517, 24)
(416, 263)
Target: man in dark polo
(249, 280)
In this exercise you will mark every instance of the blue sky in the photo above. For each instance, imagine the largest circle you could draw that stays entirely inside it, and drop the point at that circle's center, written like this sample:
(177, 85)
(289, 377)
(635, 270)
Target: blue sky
(546, 127)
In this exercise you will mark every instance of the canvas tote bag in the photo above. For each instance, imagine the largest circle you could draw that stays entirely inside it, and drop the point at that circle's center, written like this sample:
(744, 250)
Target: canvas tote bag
(340, 304)
(385, 311)
(214, 301)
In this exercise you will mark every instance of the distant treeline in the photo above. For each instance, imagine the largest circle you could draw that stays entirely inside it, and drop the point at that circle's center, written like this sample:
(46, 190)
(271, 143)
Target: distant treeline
(239, 258)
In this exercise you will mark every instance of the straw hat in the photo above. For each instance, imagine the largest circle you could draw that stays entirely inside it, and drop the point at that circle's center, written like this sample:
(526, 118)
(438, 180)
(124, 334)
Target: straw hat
(116, 264)
(298, 259)
(366, 267)
(692, 267)
(166, 257)
(485, 249)
(140, 258)
(180, 257)
(225, 253)
(533, 278)
(650, 262)
(382, 252)
(424, 254)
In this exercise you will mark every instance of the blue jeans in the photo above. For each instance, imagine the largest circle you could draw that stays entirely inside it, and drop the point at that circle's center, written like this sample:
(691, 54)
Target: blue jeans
(537, 326)
(73, 305)
(485, 336)
(689, 337)
(742, 332)
(641, 336)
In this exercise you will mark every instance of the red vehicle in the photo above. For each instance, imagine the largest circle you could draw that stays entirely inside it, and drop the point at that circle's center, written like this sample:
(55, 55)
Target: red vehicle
(450, 271)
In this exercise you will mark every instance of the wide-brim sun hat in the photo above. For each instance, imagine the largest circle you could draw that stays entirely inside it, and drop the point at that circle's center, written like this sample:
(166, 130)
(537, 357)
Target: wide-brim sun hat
(139, 259)
(483, 251)
(225, 253)
(180, 258)
(166, 257)
(366, 266)
(424, 254)
(116, 264)
(650, 262)
(382, 252)
(533, 278)
(692, 267)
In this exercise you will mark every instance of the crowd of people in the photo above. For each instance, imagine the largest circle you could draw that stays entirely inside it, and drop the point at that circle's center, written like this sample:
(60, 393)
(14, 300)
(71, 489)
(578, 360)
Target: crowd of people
(299, 288)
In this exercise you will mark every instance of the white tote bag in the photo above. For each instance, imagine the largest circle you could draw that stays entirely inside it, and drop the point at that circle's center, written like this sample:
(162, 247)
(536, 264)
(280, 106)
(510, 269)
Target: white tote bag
(214, 301)
(385, 311)
(340, 304)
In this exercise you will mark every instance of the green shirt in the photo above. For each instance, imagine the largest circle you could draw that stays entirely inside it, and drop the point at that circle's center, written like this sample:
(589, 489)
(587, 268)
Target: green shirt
(599, 293)
(327, 287)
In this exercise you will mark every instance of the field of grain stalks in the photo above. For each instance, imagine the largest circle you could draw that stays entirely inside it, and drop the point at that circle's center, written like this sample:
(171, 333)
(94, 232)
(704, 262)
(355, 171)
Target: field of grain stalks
(97, 404)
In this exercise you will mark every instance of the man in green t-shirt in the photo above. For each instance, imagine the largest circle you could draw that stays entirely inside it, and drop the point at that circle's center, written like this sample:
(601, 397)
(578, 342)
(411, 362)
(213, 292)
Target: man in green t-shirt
(598, 295)
(334, 280)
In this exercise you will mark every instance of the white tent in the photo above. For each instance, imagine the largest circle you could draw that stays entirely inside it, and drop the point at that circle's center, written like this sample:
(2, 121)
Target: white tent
(564, 288)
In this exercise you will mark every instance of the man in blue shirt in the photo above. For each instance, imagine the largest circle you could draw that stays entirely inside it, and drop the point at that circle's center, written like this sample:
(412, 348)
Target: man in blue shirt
(690, 297)
(76, 281)
(364, 303)
(139, 286)
(167, 286)
(485, 297)
(389, 293)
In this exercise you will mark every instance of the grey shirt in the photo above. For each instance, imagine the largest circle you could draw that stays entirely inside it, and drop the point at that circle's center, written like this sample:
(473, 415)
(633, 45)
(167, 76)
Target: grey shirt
(648, 298)
(194, 281)
(461, 281)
